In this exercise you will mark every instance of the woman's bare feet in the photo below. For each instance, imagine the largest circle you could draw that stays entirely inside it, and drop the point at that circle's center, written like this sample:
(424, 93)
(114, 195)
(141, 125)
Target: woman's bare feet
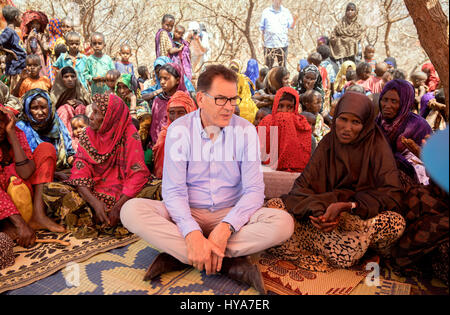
(45, 223)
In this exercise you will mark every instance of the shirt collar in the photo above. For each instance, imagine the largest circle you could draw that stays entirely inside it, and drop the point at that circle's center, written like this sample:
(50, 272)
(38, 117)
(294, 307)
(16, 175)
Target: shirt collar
(203, 133)
(273, 9)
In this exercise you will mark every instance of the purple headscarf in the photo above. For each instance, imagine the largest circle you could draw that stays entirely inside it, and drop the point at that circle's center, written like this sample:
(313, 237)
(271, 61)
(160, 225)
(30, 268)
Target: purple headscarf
(406, 123)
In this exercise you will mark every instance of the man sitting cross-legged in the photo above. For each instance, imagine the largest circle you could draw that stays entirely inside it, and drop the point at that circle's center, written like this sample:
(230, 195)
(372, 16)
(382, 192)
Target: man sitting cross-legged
(213, 191)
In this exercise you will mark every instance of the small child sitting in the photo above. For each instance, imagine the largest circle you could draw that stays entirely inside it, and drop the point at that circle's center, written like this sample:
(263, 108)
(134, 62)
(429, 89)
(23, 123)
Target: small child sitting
(312, 102)
(375, 82)
(363, 72)
(260, 114)
(97, 65)
(259, 84)
(11, 45)
(30, 77)
(144, 77)
(418, 80)
(294, 134)
(369, 54)
(312, 119)
(78, 122)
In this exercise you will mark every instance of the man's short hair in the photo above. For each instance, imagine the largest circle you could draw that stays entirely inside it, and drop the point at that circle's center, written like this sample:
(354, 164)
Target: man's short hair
(206, 78)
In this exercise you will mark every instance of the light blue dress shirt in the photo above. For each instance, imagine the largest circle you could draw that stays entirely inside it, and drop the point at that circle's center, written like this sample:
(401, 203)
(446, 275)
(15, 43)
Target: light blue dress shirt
(276, 25)
(200, 173)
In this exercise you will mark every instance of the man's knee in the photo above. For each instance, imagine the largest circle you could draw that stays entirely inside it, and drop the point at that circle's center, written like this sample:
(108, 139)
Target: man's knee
(129, 213)
(283, 225)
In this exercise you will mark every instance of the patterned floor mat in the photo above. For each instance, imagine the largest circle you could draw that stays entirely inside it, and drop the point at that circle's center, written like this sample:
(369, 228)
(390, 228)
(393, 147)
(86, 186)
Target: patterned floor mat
(43, 260)
(120, 272)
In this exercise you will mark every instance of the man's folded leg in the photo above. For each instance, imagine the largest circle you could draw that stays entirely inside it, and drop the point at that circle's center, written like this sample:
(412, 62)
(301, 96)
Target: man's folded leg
(150, 220)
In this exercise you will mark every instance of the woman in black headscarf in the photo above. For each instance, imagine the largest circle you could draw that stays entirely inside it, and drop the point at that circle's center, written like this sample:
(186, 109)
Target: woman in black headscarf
(347, 198)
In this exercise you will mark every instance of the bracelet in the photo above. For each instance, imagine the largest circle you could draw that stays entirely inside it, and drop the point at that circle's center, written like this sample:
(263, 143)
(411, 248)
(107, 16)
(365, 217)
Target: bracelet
(21, 163)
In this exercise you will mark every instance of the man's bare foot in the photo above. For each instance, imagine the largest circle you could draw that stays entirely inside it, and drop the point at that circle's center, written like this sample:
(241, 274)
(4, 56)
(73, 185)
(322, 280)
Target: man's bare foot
(45, 223)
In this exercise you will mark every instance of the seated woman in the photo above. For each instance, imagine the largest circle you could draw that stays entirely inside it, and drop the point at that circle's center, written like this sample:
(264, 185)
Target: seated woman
(109, 169)
(294, 133)
(347, 198)
(275, 79)
(69, 96)
(179, 105)
(139, 108)
(41, 124)
(172, 80)
(400, 125)
(21, 171)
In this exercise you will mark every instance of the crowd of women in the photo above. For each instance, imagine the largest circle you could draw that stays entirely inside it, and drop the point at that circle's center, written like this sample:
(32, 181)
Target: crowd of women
(80, 135)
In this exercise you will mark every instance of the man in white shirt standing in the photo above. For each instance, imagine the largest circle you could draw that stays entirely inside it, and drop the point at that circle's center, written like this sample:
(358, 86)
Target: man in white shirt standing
(276, 21)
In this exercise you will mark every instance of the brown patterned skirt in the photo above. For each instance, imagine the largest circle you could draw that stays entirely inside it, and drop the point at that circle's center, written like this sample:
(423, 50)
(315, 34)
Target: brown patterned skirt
(65, 205)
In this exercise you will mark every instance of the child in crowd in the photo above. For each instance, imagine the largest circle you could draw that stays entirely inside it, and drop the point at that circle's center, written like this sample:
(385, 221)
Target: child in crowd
(375, 82)
(260, 114)
(73, 57)
(58, 30)
(182, 52)
(369, 54)
(111, 79)
(11, 44)
(259, 83)
(124, 66)
(78, 122)
(59, 50)
(97, 65)
(294, 134)
(144, 77)
(31, 78)
(400, 74)
(418, 80)
(311, 118)
(316, 59)
(312, 102)
(341, 77)
(363, 72)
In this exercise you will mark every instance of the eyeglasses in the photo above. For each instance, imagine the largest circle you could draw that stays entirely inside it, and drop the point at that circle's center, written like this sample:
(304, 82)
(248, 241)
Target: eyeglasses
(222, 100)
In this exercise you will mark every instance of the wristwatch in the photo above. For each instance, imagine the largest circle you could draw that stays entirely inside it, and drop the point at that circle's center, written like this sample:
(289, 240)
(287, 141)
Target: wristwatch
(231, 227)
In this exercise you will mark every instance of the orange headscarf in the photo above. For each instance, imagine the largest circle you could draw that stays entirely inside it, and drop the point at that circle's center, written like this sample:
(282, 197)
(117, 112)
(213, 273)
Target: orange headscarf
(180, 98)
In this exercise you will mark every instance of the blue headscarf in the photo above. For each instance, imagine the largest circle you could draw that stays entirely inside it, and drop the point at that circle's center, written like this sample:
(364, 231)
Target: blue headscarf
(252, 71)
(52, 130)
(161, 61)
(303, 64)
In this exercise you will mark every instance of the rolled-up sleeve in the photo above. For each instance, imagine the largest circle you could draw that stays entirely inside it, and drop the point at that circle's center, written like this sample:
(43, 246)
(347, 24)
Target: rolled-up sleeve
(174, 187)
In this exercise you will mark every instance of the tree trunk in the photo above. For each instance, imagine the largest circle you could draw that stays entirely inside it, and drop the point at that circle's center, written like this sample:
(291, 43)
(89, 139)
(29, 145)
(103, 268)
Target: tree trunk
(432, 27)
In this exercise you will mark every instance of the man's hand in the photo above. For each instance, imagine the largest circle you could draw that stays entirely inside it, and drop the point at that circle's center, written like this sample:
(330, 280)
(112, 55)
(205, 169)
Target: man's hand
(219, 236)
(200, 251)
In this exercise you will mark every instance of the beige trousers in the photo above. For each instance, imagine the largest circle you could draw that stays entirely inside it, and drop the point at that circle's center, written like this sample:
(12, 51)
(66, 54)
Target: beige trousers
(150, 220)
